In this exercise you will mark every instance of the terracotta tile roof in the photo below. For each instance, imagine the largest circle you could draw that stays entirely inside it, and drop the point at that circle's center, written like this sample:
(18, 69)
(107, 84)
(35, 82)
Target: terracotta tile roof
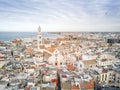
(88, 85)
(103, 60)
(42, 47)
(70, 67)
(28, 50)
(89, 62)
(77, 47)
(47, 41)
(46, 54)
(17, 41)
(30, 67)
(74, 87)
(55, 81)
(2, 56)
(52, 48)
(37, 53)
(43, 65)
(61, 39)
(28, 87)
(16, 56)
(2, 42)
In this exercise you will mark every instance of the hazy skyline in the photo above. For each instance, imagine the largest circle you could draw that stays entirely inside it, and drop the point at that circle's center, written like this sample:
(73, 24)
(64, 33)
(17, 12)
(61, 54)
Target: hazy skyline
(60, 15)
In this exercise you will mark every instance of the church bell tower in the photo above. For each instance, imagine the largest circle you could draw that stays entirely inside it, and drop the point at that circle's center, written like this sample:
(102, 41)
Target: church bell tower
(39, 38)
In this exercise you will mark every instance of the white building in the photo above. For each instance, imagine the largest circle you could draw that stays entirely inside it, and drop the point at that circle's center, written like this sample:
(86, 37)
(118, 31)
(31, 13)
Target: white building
(107, 59)
(79, 65)
(56, 59)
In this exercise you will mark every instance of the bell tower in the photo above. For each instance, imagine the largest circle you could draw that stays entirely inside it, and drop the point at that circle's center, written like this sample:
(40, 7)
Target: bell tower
(39, 38)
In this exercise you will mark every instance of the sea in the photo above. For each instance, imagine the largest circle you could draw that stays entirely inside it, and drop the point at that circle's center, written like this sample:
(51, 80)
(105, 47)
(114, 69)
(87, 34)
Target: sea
(9, 36)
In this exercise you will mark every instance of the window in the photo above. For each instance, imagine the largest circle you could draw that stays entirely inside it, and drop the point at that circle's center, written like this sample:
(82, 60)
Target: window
(106, 77)
(91, 66)
(80, 65)
(56, 63)
(118, 81)
(110, 74)
(102, 77)
(110, 81)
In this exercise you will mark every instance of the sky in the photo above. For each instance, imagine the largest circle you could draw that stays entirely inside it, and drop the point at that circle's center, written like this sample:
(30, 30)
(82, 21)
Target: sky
(60, 15)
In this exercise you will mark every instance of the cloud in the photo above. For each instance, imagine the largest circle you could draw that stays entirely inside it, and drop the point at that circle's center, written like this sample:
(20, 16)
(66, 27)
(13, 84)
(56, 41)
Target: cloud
(65, 15)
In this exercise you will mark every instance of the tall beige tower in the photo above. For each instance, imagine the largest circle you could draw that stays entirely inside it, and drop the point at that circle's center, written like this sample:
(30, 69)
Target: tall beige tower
(39, 38)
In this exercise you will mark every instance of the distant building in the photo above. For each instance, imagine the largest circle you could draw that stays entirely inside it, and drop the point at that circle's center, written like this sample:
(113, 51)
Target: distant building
(113, 41)
(17, 42)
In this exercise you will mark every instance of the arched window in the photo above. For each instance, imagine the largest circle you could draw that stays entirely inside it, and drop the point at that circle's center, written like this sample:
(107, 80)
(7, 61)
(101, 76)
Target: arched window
(110, 74)
(56, 63)
(91, 66)
(80, 65)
